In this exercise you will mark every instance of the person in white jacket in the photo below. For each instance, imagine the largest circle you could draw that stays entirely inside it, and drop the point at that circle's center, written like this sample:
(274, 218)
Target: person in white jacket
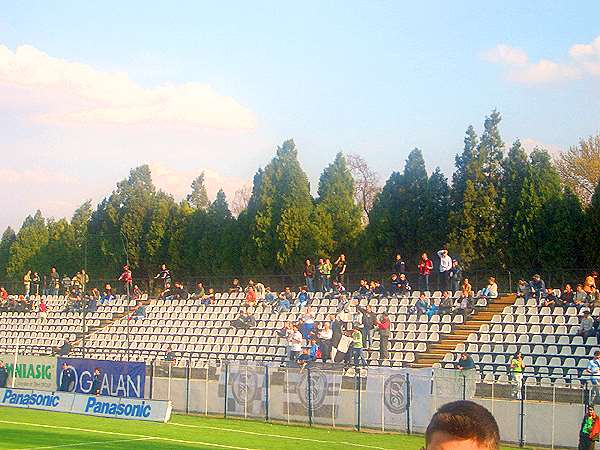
(445, 266)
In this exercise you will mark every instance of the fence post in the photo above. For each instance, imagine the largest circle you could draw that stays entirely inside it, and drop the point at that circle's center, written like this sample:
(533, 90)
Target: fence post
(358, 387)
(152, 379)
(309, 396)
(408, 403)
(464, 385)
(187, 385)
(226, 390)
(267, 387)
(522, 418)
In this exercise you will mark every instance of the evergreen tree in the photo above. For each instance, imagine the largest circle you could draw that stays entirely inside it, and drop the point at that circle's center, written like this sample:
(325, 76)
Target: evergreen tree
(25, 251)
(336, 197)
(198, 198)
(462, 162)
(435, 213)
(591, 244)
(8, 239)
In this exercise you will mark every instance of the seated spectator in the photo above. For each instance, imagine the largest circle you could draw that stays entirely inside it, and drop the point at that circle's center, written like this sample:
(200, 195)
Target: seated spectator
(523, 289)
(137, 292)
(464, 307)
(235, 287)
(251, 299)
(270, 297)
(64, 349)
(199, 291)
(337, 290)
(445, 303)
(465, 289)
(244, 322)
(551, 300)
(302, 298)
(43, 310)
(465, 362)
(259, 288)
(170, 355)
(581, 297)
(107, 296)
(343, 304)
(179, 292)
(432, 310)
(209, 298)
(586, 325)
(74, 300)
(421, 306)
(363, 289)
(403, 285)
(139, 312)
(314, 351)
(308, 323)
(490, 291)
(589, 284)
(537, 289)
(378, 290)
(305, 358)
(567, 297)
(283, 303)
(92, 301)
(394, 285)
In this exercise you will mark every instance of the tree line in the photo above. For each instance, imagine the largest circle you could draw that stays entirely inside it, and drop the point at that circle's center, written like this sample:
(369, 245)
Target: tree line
(502, 208)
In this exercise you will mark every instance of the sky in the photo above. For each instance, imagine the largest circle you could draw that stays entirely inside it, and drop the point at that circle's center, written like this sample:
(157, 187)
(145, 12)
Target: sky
(89, 90)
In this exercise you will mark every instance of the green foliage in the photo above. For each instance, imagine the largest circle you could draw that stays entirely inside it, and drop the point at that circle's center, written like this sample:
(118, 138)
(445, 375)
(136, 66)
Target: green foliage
(8, 238)
(592, 246)
(27, 248)
(198, 198)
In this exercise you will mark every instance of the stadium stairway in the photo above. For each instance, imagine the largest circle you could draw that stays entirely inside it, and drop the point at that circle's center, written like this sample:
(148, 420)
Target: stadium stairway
(436, 352)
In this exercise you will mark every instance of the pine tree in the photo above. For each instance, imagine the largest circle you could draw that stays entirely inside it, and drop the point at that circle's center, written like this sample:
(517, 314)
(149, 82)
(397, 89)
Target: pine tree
(8, 239)
(25, 251)
(435, 213)
(462, 162)
(336, 196)
(198, 198)
(591, 244)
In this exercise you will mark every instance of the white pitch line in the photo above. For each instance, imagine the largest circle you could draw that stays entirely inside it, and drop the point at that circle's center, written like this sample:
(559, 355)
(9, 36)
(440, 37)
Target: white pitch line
(280, 436)
(181, 441)
(79, 444)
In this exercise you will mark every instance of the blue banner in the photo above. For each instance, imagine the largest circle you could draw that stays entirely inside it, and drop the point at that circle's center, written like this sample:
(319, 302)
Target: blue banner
(117, 378)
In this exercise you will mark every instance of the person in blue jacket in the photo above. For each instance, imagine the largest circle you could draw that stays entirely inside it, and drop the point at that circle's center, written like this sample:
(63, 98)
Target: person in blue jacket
(67, 378)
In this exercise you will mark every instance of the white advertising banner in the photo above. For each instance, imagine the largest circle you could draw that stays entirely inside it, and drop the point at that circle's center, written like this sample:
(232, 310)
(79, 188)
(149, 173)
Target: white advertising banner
(119, 408)
(31, 372)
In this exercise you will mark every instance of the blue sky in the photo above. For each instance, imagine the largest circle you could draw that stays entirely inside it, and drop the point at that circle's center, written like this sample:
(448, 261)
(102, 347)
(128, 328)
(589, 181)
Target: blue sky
(215, 87)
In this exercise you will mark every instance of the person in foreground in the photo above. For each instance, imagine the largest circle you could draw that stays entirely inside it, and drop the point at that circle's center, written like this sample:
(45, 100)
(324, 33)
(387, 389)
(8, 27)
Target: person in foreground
(462, 425)
(590, 430)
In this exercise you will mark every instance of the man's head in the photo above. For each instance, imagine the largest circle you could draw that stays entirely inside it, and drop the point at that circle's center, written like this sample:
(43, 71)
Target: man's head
(462, 425)
(446, 294)
(597, 354)
(536, 277)
(422, 296)
(402, 276)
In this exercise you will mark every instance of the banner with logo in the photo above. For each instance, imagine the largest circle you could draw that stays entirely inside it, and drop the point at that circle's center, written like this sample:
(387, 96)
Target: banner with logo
(31, 372)
(118, 378)
(119, 408)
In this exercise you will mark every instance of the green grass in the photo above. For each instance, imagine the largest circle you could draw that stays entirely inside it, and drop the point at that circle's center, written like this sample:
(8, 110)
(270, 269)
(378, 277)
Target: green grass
(24, 429)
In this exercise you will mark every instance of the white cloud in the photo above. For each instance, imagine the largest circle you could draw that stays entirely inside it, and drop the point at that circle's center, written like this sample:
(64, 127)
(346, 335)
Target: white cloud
(77, 93)
(530, 143)
(177, 182)
(34, 176)
(583, 60)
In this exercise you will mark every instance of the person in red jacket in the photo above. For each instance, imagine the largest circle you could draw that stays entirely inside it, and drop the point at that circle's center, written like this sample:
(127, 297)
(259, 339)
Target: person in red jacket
(425, 267)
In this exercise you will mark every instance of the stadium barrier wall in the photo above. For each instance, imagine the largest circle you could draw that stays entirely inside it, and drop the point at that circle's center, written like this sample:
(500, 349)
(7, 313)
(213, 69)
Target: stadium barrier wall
(398, 399)
(31, 372)
(113, 407)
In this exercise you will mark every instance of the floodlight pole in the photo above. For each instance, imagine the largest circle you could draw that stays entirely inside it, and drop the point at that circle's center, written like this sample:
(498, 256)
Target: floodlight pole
(127, 287)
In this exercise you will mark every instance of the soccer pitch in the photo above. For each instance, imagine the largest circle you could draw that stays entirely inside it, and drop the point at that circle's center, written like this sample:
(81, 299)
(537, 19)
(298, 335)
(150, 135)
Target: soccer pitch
(29, 429)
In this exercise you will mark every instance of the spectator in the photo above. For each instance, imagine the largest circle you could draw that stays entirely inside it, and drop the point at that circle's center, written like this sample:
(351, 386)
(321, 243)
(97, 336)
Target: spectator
(363, 289)
(383, 326)
(127, 279)
(581, 297)
(586, 325)
(235, 287)
(463, 307)
(399, 265)
(551, 299)
(589, 431)
(251, 299)
(295, 343)
(179, 292)
(516, 366)
(244, 322)
(462, 425)
(35, 283)
(326, 272)
(523, 289)
(302, 298)
(81, 280)
(590, 282)
(96, 382)
(65, 349)
(3, 375)
(490, 291)
(209, 298)
(139, 312)
(455, 275)
(325, 336)
(394, 285)
(309, 275)
(54, 282)
(66, 284)
(445, 303)
(92, 304)
(170, 355)
(425, 267)
(137, 292)
(338, 289)
(308, 323)
(320, 275)
(305, 358)
(593, 370)
(67, 378)
(465, 362)
(107, 296)
(270, 297)
(259, 288)
(357, 347)
(43, 310)
(340, 268)
(421, 306)
(432, 310)
(537, 289)
(369, 319)
(27, 283)
(199, 291)
(444, 269)
(164, 275)
(377, 290)
(314, 350)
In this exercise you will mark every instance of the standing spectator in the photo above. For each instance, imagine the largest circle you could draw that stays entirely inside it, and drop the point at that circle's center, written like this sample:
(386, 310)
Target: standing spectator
(320, 276)
(455, 275)
(444, 269)
(465, 362)
(107, 296)
(593, 370)
(54, 282)
(590, 430)
(326, 272)
(586, 325)
(235, 287)
(35, 283)
(67, 378)
(516, 367)
(66, 284)
(82, 279)
(164, 275)
(295, 343)
(3, 375)
(325, 336)
(302, 298)
(127, 279)
(137, 292)
(383, 326)
(96, 382)
(357, 347)
(425, 267)
(309, 275)
(399, 265)
(523, 289)
(340, 268)
(43, 310)
(537, 289)
(27, 283)
(369, 319)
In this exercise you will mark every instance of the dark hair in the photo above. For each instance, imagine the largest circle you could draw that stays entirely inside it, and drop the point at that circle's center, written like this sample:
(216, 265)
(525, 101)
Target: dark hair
(466, 420)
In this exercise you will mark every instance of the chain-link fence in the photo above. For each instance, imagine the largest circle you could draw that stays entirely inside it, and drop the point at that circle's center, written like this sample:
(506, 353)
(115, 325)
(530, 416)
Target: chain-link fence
(401, 400)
